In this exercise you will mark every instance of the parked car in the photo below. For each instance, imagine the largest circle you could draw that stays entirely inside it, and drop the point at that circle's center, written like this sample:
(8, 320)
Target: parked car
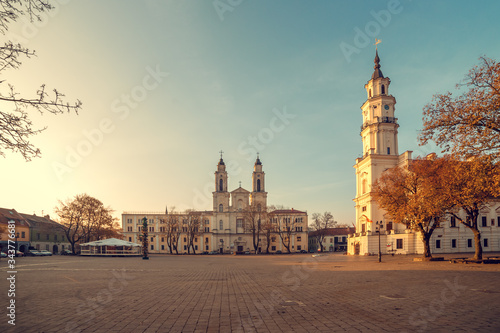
(66, 253)
(34, 253)
(19, 254)
(247, 252)
(213, 252)
(4, 255)
(279, 252)
(45, 253)
(303, 251)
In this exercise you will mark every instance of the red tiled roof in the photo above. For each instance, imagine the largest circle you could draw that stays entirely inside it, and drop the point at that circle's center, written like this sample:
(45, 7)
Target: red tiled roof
(7, 215)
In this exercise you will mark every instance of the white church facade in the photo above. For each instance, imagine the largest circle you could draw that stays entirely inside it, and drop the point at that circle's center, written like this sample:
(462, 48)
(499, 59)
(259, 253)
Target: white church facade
(379, 134)
(225, 228)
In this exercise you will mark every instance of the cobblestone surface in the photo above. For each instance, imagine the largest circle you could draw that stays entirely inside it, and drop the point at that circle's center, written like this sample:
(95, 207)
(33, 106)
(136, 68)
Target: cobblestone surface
(280, 293)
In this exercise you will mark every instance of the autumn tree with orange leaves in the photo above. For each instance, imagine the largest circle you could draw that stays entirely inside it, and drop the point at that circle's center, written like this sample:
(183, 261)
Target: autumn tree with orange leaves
(469, 186)
(414, 196)
(468, 124)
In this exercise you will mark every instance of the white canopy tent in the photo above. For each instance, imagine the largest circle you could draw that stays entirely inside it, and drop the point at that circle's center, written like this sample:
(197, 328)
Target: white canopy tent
(110, 247)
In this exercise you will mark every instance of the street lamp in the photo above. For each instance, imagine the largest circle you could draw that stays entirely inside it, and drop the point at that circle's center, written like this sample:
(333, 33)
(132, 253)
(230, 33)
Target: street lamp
(378, 227)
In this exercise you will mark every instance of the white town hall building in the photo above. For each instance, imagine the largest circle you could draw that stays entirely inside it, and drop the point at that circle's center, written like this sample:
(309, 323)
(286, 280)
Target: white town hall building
(379, 134)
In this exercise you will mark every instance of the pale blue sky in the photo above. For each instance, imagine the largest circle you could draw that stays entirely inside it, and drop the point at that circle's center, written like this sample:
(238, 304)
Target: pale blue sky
(227, 81)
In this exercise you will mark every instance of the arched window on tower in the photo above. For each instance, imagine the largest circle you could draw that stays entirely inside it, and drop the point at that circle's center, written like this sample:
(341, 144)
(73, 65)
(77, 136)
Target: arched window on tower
(221, 185)
(221, 208)
(258, 185)
(370, 93)
(363, 186)
(383, 90)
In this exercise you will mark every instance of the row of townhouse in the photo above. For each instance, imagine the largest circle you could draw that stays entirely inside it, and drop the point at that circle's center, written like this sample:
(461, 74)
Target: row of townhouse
(31, 232)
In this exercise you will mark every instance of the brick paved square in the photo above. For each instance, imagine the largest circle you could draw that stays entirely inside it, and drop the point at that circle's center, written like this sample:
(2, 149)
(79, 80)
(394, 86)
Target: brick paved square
(277, 293)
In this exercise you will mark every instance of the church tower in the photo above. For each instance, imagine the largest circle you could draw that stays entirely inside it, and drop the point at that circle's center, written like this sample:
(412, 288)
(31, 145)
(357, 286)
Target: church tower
(379, 136)
(259, 194)
(221, 195)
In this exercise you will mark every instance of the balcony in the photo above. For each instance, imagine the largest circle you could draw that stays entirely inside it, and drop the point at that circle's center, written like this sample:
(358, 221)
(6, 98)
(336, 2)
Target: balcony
(380, 120)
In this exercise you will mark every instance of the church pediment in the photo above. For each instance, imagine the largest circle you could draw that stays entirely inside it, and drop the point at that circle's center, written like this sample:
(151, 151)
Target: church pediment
(240, 190)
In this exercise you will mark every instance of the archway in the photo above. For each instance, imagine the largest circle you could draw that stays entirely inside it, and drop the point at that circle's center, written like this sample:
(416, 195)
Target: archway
(55, 249)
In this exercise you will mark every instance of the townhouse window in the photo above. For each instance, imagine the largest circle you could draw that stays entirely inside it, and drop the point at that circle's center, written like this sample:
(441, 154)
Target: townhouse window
(185, 239)
(221, 225)
(23, 234)
(399, 243)
(196, 247)
(331, 240)
(45, 235)
(207, 229)
(221, 208)
(492, 222)
(152, 239)
(206, 247)
(207, 221)
(130, 239)
(38, 236)
(196, 239)
(438, 243)
(55, 237)
(363, 209)
(453, 243)
(485, 241)
(185, 248)
(469, 242)
(62, 238)
(273, 239)
(483, 221)
(152, 247)
(239, 223)
(453, 222)
(273, 248)
(129, 220)
(299, 247)
(162, 239)
(389, 226)
(344, 239)
(206, 239)
(299, 238)
(163, 247)
(498, 221)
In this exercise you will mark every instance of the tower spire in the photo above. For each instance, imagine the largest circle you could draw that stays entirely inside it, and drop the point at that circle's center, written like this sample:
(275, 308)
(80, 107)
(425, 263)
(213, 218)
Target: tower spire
(377, 73)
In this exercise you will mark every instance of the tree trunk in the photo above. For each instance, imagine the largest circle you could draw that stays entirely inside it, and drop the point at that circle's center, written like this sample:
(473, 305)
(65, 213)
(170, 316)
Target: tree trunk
(427, 248)
(478, 255)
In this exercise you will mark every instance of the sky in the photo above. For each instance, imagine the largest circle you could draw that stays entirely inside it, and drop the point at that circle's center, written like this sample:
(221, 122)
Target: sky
(166, 85)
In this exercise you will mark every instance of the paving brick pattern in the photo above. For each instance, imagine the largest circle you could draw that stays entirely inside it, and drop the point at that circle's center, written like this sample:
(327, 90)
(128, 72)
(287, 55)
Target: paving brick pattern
(278, 293)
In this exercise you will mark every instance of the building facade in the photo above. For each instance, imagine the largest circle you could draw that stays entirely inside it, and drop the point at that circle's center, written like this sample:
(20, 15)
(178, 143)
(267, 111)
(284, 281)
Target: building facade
(10, 219)
(46, 234)
(231, 224)
(379, 134)
(334, 239)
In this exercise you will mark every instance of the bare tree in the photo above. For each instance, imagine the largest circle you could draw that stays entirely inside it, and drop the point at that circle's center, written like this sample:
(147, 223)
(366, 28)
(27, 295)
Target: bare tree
(84, 218)
(285, 224)
(254, 215)
(321, 224)
(16, 128)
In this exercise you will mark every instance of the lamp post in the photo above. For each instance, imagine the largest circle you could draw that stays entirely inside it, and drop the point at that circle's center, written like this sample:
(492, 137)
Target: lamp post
(379, 226)
(145, 238)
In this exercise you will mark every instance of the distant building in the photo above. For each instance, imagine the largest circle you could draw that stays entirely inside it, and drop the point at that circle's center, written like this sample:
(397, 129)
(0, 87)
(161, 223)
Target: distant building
(335, 239)
(21, 227)
(46, 234)
(224, 228)
(379, 134)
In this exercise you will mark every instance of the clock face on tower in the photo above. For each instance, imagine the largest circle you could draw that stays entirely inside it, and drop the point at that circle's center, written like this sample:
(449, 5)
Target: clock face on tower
(386, 107)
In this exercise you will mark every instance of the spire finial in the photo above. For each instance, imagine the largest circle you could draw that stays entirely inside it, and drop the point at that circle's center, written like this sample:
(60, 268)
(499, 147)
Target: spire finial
(240, 183)
(221, 152)
(377, 73)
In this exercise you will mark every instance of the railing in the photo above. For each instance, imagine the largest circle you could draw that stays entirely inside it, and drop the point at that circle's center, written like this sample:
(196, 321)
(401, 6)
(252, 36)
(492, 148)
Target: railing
(390, 120)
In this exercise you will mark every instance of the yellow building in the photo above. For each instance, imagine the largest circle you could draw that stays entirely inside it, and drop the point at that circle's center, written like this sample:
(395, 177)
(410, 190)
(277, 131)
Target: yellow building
(14, 231)
(228, 227)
